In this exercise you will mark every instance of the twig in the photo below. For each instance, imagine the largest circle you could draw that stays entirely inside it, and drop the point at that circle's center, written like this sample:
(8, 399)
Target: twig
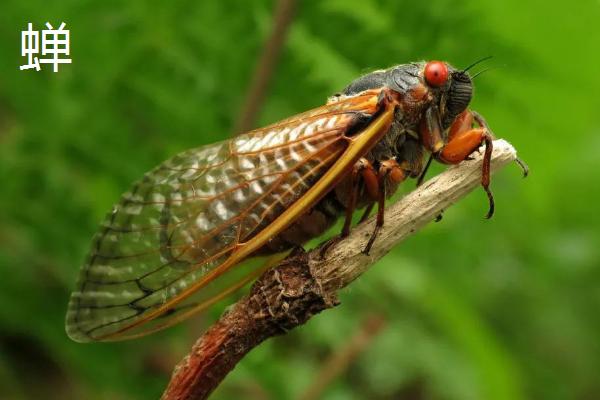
(305, 284)
(264, 68)
(341, 359)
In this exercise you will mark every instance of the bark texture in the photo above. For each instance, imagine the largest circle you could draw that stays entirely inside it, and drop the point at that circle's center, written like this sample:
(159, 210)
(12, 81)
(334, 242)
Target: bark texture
(305, 284)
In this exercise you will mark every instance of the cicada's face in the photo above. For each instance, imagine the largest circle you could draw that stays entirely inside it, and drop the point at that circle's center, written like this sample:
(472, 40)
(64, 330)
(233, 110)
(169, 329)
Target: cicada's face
(452, 89)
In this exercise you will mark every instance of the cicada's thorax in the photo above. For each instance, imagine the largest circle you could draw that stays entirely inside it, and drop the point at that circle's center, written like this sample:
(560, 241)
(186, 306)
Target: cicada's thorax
(404, 142)
(400, 142)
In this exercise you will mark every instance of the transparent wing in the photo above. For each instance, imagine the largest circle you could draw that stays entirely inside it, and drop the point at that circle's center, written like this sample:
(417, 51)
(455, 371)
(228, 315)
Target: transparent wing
(188, 215)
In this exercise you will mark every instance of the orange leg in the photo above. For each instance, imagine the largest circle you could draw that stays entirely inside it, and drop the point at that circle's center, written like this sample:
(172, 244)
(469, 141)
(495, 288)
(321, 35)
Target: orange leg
(462, 145)
(463, 140)
(375, 183)
(463, 122)
(388, 169)
(363, 168)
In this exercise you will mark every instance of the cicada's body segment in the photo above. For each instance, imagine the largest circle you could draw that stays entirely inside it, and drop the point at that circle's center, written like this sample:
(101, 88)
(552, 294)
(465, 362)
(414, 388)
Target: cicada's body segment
(207, 221)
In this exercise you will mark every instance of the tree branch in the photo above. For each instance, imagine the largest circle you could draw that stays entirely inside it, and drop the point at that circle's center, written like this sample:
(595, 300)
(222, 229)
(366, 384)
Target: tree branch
(305, 284)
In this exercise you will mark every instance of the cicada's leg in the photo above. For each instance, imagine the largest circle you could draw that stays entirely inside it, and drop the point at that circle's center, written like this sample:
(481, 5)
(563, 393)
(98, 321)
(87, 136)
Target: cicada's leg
(463, 140)
(392, 170)
(482, 123)
(365, 170)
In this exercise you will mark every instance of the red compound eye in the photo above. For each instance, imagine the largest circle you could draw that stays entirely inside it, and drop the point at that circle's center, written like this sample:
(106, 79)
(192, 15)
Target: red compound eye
(436, 73)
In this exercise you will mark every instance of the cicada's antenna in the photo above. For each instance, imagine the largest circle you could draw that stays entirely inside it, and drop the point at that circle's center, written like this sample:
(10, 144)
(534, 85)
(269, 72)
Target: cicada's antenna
(475, 63)
(487, 69)
(482, 71)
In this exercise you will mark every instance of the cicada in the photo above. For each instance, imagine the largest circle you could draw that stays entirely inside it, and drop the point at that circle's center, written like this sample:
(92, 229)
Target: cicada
(207, 221)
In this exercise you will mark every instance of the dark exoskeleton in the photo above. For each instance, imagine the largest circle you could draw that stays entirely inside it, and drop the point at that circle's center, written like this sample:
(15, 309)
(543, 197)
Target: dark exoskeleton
(431, 116)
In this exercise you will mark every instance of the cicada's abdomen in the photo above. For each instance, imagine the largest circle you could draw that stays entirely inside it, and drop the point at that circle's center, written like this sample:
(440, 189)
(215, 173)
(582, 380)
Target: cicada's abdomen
(158, 254)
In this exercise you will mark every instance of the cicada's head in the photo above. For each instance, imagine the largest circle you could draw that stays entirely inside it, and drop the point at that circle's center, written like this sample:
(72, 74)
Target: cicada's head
(421, 84)
(451, 89)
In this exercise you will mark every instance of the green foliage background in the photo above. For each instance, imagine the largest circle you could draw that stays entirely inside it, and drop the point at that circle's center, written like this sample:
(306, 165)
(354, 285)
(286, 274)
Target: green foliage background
(474, 309)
